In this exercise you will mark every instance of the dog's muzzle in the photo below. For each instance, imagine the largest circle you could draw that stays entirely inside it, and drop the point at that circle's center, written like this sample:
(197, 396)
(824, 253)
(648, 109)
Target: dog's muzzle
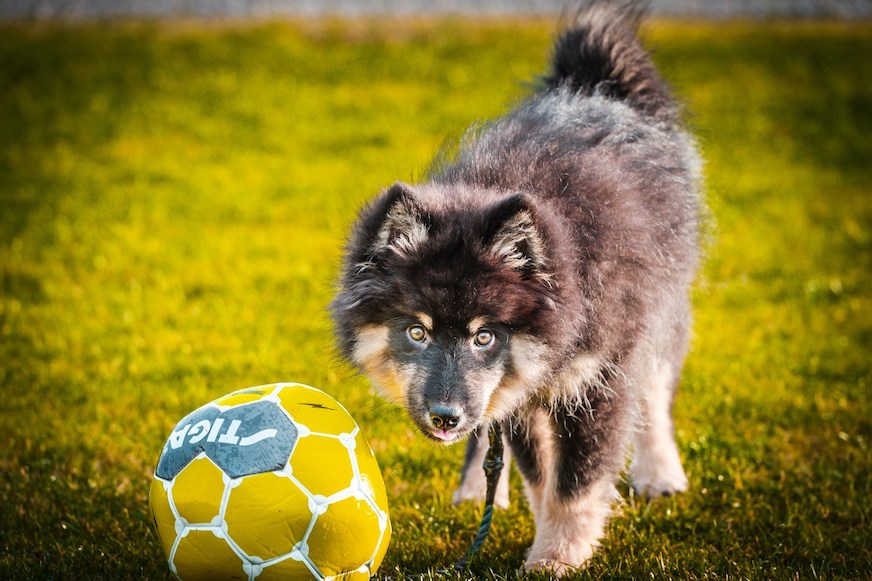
(443, 420)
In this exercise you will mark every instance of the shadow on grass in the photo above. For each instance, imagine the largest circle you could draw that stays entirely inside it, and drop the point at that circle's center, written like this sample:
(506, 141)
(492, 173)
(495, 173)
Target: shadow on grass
(80, 519)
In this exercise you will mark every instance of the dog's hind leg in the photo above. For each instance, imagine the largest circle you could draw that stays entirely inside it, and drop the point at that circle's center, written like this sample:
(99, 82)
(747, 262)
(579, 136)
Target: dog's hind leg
(473, 485)
(656, 467)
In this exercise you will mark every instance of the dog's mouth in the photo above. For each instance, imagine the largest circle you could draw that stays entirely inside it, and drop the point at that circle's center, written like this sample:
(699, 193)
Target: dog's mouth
(444, 435)
(446, 423)
(447, 436)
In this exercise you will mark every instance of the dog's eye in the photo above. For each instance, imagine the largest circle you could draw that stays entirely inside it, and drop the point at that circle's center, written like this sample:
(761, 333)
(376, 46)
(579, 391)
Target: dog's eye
(484, 338)
(417, 333)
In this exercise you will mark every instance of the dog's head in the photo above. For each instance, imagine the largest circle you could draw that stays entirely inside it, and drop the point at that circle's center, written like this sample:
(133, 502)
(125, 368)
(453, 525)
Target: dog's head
(446, 301)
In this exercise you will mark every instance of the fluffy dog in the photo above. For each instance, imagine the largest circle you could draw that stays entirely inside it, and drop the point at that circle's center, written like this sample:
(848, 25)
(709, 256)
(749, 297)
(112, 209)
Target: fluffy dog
(539, 278)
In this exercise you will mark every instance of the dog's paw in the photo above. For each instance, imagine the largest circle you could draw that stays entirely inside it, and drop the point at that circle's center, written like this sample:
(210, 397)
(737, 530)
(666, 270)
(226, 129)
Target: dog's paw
(477, 494)
(660, 482)
(553, 568)
(558, 563)
(466, 493)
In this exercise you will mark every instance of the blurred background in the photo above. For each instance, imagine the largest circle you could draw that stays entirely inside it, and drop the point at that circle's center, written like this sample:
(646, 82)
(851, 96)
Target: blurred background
(77, 9)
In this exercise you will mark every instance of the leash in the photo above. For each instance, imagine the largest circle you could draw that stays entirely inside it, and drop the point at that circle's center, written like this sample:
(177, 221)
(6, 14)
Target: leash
(493, 467)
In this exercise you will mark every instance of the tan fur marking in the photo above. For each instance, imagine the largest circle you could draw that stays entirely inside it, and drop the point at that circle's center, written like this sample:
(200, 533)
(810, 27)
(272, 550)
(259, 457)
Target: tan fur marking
(572, 385)
(371, 354)
(372, 342)
(528, 360)
(425, 320)
(476, 324)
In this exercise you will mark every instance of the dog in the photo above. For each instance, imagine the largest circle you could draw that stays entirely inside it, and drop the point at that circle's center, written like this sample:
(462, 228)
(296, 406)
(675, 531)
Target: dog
(539, 277)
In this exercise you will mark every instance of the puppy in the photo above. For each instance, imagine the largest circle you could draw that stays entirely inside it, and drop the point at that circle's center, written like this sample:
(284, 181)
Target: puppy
(539, 278)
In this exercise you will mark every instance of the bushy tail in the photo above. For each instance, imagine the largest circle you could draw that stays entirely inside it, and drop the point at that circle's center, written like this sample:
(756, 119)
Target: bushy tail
(600, 54)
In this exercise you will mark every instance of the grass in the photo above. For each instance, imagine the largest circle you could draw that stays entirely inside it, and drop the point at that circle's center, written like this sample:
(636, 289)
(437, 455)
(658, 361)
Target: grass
(174, 199)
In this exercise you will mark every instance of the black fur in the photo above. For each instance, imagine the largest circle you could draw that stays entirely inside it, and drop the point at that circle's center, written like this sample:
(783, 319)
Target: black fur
(586, 442)
(526, 451)
(601, 56)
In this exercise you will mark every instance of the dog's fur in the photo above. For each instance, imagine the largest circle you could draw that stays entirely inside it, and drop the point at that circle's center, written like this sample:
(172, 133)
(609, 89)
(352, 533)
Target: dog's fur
(539, 278)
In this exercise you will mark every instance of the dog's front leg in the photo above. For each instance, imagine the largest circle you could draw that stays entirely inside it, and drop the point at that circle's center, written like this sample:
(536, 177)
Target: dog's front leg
(570, 459)
(568, 529)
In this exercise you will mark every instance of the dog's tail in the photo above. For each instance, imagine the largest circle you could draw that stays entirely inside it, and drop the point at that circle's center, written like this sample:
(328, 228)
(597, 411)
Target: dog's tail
(600, 54)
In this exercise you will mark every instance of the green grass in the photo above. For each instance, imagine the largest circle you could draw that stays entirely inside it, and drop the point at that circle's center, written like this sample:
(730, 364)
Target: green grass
(173, 199)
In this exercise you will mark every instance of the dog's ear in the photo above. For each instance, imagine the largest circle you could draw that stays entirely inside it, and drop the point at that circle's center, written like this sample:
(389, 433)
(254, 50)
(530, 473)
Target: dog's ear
(511, 234)
(405, 225)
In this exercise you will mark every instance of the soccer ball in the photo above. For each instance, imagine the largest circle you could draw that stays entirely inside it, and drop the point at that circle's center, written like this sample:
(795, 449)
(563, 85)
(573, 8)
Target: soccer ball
(270, 482)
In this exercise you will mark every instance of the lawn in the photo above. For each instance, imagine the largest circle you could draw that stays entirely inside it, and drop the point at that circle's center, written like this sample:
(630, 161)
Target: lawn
(174, 198)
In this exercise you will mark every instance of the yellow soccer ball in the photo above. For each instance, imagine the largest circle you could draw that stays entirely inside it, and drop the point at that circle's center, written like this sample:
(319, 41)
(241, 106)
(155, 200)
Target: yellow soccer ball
(271, 482)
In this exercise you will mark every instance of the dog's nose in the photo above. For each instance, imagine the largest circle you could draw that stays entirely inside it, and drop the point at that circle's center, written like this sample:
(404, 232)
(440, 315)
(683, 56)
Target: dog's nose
(444, 417)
